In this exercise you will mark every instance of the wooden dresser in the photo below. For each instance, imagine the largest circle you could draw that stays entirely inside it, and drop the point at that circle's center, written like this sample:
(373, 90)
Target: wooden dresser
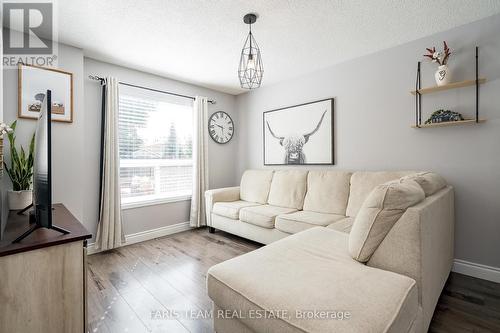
(43, 278)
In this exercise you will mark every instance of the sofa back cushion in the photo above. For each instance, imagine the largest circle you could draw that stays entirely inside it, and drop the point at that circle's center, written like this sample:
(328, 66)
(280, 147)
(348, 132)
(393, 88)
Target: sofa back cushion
(327, 192)
(363, 182)
(288, 188)
(380, 211)
(429, 181)
(255, 185)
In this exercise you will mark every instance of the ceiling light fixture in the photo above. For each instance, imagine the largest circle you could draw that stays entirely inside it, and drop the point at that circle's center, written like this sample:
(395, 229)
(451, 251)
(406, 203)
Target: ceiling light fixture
(250, 70)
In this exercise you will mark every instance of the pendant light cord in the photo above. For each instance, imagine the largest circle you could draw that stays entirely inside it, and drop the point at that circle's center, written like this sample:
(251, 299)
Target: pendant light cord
(251, 38)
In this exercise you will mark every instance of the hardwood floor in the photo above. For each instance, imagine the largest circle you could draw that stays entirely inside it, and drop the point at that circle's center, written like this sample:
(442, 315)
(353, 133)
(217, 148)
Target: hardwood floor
(159, 286)
(131, 289)
(467, 305)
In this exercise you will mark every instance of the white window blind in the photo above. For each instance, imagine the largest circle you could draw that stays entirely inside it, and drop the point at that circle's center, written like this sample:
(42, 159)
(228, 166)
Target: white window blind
(155, 141)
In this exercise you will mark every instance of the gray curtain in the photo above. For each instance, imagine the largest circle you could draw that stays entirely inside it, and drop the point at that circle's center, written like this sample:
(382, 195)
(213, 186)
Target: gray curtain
(109, 229)
(200, 162)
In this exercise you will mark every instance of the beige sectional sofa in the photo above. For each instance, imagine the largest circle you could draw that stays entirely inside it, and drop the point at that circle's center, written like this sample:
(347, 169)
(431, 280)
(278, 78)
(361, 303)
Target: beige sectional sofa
(385, 276)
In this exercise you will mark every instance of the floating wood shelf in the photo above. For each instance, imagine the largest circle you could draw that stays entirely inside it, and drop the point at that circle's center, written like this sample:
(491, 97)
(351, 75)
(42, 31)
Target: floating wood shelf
(419, 91)
(451, 123)
(448, 86)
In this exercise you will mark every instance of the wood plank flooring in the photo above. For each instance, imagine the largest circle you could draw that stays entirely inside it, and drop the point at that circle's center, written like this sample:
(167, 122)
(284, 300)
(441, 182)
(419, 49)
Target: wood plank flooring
(132, 289)
(467, 305)
(159, 286)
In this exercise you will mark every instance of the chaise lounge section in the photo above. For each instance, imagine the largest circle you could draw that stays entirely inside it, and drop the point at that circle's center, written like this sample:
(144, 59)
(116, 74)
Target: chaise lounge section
(311, 277)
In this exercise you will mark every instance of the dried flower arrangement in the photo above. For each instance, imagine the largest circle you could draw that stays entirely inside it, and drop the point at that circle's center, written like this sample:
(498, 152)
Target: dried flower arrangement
(440, 57)
(5, 129)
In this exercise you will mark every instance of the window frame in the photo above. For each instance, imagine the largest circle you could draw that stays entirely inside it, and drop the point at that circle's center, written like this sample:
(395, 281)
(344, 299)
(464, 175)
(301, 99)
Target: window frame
(150, 200)
(154, 202)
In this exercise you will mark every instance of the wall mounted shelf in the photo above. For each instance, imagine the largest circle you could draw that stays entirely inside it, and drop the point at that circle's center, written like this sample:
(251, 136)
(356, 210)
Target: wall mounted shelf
(451, 123)
(419, 91)
(449, 86)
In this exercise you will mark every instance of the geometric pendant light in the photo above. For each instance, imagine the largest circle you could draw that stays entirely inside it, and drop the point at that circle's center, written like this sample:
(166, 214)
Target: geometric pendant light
(250, 70)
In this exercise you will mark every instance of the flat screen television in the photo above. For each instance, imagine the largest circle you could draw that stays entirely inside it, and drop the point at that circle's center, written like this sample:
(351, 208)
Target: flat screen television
(41, 214)
(42, 172)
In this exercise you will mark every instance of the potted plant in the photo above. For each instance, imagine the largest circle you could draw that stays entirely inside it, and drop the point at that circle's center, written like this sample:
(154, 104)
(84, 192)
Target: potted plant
(443, 74)
(20, 172)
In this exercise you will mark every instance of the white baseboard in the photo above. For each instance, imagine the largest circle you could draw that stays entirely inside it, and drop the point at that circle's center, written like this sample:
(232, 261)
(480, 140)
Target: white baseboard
(476, 270)
(146, 235)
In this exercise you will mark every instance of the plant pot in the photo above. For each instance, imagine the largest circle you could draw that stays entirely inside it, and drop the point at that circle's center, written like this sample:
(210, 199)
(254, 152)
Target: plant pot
(442, 75)
(19, 199)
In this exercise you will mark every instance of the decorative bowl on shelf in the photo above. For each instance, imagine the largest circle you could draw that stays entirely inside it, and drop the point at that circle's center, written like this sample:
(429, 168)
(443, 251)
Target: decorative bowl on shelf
(442, 116)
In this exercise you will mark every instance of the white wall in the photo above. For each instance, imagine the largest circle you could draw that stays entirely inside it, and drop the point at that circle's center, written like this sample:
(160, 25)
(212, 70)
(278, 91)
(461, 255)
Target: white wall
(221, 157)
(373, 114)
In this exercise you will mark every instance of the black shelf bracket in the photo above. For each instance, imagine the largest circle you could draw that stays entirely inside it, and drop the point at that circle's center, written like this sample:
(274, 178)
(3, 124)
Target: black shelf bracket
(477, 84)
(418, 98)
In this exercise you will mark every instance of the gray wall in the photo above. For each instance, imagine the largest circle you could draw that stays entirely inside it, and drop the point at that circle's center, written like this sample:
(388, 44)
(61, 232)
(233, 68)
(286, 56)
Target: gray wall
(76, 145)
(221, 157)
(3, 209)
(373, 114)
(68, 139)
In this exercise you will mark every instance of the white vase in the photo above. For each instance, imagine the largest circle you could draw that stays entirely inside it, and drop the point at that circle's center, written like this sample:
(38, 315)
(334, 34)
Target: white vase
(19, 199)
(442, 75)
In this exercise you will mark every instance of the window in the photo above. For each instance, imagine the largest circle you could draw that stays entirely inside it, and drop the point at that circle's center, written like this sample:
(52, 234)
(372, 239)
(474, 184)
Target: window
(155, 141)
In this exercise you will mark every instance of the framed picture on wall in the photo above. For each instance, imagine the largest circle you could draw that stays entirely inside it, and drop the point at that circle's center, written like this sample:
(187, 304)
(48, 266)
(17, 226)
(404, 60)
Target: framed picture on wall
(300, 134)
(34, 81)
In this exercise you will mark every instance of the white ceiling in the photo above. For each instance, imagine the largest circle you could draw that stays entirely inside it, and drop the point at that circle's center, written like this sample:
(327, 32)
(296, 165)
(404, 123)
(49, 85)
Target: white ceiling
(200, 41)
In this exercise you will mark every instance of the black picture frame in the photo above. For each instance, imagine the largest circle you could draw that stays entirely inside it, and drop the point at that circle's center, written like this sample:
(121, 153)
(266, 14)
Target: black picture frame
(332, 162)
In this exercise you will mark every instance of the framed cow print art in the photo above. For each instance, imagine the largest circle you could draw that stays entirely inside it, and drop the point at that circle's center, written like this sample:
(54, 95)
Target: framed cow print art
(300, 134)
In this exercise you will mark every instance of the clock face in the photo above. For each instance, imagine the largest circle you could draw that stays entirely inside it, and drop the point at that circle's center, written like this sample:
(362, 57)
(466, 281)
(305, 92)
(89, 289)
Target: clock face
(220, 127)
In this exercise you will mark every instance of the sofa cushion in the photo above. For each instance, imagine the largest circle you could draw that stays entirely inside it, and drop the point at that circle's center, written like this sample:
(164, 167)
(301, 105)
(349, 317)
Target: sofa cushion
(380, 211)
(312, 270)
(429, 181)
(255, 185)
(231, 209)
(344, 225)
(327, 192)
(362, 183)
(303, 220)
(288, 188)
(263, 215)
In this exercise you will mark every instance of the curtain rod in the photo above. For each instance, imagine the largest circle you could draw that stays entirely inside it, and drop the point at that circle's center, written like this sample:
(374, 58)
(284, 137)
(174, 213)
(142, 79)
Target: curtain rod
(97, 78)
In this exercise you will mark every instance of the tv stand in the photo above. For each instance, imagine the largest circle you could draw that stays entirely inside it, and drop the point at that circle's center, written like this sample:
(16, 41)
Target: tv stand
(45, 271)
(22, 211)
(32, 220)
(35, 227)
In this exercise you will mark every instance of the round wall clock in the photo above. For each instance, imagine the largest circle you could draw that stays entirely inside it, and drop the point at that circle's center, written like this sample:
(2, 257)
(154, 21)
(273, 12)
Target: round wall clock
(220, 127)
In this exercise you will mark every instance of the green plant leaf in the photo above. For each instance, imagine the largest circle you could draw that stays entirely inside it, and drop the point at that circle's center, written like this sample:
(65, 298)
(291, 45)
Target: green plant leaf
(31, 152)
(9, 172)
(22, 160)
(21, 168)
